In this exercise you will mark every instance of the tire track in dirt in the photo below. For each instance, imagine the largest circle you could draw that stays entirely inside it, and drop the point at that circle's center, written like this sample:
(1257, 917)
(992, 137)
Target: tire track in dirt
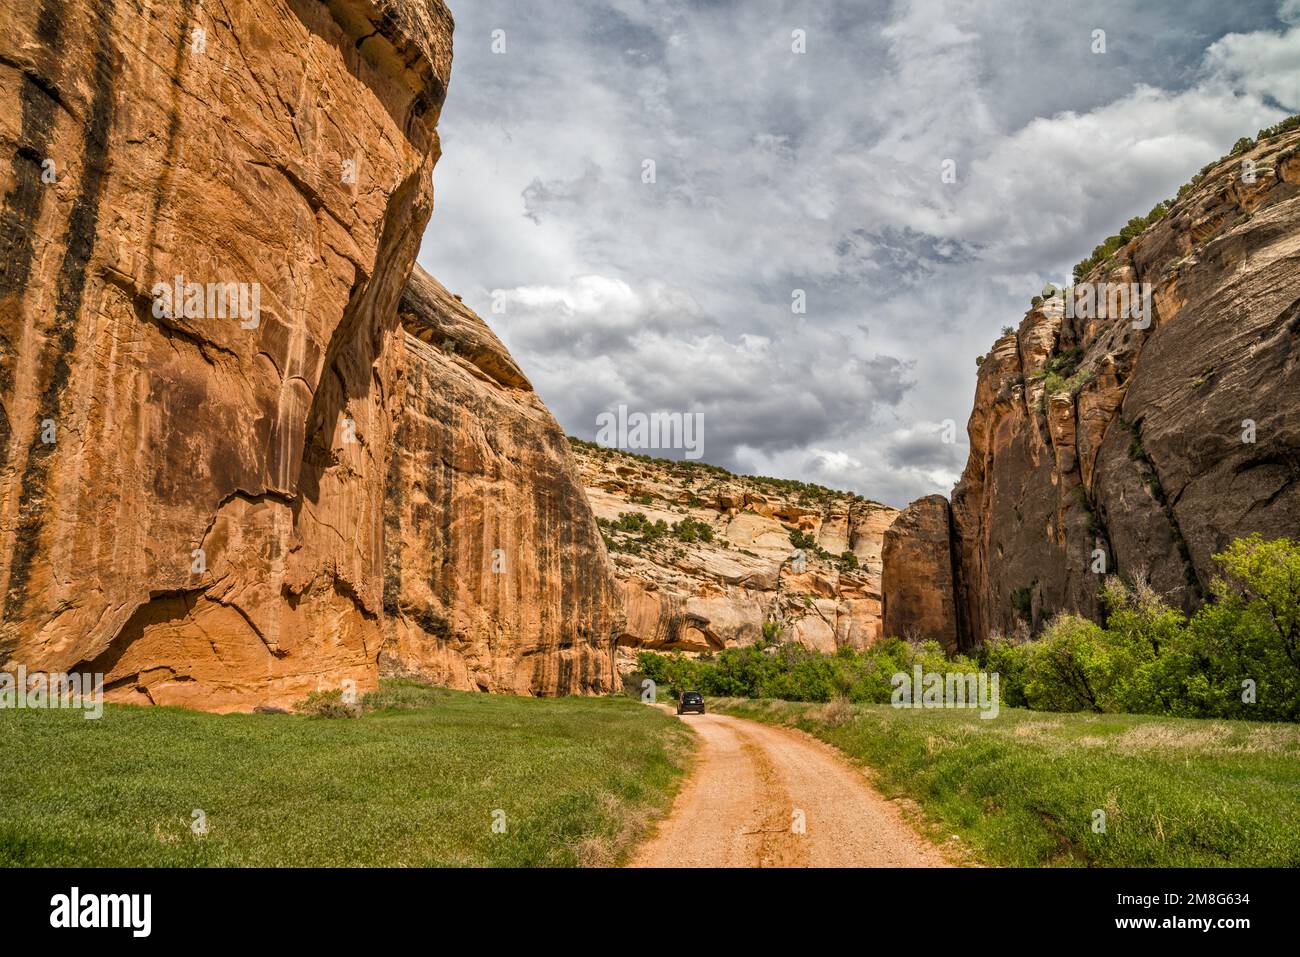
(764, 796)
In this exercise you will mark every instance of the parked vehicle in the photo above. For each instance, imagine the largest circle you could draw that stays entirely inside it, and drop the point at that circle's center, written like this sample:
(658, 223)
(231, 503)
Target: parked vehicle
(690, 701)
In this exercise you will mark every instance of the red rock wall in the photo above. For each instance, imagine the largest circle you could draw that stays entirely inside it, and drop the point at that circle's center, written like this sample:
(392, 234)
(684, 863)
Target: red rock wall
(917, 583)
(1144, 463)
(702, 596)
(496, 576)
(214, 147)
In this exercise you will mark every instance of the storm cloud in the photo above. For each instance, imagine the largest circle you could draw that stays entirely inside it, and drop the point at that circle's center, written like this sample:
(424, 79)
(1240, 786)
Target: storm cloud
(784, 179)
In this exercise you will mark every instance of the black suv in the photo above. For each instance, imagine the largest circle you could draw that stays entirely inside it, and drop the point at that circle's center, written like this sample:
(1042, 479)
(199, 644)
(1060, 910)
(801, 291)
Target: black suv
(690, 701)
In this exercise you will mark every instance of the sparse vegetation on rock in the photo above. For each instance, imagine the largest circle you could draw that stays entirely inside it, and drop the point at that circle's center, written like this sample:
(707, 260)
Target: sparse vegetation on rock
(736, 556)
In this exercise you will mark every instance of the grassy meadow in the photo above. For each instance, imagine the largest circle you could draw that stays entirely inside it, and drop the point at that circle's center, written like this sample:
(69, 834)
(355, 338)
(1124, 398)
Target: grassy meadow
(1022, 789)
(415, 783)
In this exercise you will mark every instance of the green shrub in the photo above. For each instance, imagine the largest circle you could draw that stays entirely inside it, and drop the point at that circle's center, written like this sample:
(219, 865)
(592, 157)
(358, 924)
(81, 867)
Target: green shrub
(1145, 658)
(691, 530)
(1242, 145)
(790, 671)
(399, 695)
(1112, 244)
(1064, 363)
(1054, 383)
(327, 704)
(1068, 668)
(1062, 374)
(802, 539)
(1149, 658)
(637, 529)
(1258, 601)
(1286, 126)
(1007, 659)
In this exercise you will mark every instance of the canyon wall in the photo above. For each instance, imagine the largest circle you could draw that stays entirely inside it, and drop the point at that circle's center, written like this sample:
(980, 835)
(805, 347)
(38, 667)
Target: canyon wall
(700, 592)
(917, 588)
(177, 508)
(193, 487)
(496, 577)
(1106, 444)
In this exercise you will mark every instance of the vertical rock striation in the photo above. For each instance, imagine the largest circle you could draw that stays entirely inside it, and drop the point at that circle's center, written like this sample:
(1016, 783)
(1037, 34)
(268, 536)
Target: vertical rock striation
(1101, 443)
(496, 577)
(192, 503)
(919, 598)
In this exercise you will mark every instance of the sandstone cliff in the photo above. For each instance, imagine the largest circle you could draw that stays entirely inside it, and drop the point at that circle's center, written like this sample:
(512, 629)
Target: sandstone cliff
(496, 576)
(176, 506)
(918, 598)
(1108, 444)
(694, 591)
(193, 488)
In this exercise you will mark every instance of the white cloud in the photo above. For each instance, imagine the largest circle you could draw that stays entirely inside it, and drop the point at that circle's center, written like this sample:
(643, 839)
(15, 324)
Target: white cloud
(820, 171)
(1261, 64)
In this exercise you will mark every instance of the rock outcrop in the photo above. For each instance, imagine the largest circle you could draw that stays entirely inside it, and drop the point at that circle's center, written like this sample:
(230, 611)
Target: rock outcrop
(1142, 444)
(208, 221)
(496, 575)
(918, 594)
(178, 508)
(700, 592)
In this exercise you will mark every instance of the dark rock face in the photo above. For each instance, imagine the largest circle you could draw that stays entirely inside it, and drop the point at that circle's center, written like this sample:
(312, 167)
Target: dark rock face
(496, 576)
(1182, 436)
(919, 597)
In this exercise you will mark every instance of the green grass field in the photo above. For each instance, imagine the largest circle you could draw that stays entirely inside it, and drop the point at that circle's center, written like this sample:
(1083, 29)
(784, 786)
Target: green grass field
(576, 778)
(1022, 789)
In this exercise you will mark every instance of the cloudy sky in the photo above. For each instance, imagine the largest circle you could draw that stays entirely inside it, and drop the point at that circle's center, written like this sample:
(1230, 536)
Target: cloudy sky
(819, 171)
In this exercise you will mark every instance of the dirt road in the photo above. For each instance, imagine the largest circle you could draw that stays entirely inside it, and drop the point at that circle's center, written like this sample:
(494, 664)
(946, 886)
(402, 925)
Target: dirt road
(763, 796)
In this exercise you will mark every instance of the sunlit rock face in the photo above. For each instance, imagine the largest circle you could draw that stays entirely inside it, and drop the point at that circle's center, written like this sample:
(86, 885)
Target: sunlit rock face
(496, 577)
(919, 598)
(191, 501)
(699, 596)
